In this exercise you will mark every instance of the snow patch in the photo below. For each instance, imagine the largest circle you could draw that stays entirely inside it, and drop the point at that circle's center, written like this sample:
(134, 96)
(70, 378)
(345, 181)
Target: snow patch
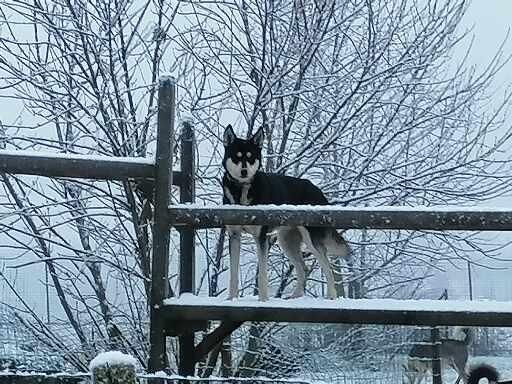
(186, 117)
(338, 208)
(112, 358)
(71, 156)
(352, 304)
(167, 77)
(259, 379)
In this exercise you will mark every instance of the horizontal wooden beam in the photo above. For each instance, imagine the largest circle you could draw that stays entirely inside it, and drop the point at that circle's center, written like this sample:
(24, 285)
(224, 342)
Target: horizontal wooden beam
(78, 166)
(456, 218)
(345, 311)
(215, 337)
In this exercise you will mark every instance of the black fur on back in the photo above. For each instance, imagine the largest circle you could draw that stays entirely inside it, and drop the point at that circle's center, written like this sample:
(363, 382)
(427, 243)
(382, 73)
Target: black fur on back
(272, 188)
(483, 371)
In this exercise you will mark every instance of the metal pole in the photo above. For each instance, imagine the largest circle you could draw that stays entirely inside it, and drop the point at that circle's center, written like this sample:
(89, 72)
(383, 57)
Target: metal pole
(187, 245)
(161, 232)
(436, 361)
(470, 280)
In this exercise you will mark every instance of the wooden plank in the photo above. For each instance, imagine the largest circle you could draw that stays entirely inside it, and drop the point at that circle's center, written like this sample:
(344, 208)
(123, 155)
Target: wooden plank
(344, 311)
(78, 166)
(344, 217)
(214, 338)
(161, 234)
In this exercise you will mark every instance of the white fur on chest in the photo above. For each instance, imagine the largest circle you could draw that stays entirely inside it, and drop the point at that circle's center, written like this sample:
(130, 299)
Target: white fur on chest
(244, 200)
(244, 195)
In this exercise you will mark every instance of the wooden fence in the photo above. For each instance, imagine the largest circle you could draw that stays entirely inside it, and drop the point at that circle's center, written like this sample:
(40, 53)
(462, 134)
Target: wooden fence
(183, 317)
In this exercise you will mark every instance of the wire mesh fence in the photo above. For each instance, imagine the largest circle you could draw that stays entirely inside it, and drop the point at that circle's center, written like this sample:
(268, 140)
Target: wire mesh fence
(265, 352)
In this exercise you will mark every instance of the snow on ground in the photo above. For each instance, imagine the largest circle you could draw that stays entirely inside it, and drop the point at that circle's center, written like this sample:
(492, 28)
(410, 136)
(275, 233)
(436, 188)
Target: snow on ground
(242, 380)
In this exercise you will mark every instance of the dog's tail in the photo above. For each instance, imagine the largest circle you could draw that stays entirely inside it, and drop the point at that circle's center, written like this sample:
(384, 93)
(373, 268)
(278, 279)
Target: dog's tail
(337, 245)
(483, 371)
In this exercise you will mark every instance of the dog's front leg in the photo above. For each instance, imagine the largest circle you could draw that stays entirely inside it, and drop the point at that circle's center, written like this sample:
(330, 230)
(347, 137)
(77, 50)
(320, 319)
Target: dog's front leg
(234, 261)
(262, 247)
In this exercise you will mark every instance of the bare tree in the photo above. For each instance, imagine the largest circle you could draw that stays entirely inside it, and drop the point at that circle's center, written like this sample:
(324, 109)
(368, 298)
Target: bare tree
(85, 76)
(362, 97)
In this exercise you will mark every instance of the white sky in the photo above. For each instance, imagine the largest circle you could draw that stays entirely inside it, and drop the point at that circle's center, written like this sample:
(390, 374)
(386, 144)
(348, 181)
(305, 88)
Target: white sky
(491, 21)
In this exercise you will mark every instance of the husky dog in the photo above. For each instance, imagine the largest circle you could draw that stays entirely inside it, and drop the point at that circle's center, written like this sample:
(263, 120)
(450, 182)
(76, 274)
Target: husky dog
(453, 353)
(243, 183)
(484, 371)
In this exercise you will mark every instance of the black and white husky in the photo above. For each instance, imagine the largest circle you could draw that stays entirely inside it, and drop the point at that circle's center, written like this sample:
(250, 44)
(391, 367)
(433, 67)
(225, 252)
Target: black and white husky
(244, 184)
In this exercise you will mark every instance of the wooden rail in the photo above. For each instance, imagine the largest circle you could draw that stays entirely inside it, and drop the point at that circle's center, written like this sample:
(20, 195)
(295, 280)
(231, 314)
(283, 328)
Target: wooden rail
(79, 166)
(456, 218)
(346, 311)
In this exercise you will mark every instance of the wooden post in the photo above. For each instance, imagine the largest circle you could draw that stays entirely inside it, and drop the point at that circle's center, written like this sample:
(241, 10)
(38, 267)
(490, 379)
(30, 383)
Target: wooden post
(161, 230)
(436, 360)
(113, 368)
(187, 359)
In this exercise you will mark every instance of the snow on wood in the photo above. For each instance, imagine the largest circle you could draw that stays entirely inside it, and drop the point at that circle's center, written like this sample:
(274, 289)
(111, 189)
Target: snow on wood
(73, 156)
(167, 77)
(215, 379)
(350, 311)
(112, 358)
(186, 117)
(72, 165)
(414, 218)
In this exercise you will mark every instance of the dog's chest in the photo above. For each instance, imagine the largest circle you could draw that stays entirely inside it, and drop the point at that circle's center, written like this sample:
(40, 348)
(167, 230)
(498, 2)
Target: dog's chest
(241, 196)
(238, 195)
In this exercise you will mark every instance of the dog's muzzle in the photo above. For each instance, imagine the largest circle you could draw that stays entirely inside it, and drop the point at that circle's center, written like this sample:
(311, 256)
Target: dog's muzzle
(243, 173)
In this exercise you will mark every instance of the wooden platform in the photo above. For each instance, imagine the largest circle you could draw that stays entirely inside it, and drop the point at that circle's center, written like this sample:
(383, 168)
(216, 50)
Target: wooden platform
(346, 311)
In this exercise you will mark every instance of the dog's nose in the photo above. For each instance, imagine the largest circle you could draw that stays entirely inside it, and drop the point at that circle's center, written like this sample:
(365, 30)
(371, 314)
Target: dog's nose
(243, 173)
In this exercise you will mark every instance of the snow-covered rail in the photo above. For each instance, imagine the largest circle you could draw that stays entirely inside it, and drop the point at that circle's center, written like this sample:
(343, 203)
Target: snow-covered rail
(347, 311)
(79, 166)
(427, 218)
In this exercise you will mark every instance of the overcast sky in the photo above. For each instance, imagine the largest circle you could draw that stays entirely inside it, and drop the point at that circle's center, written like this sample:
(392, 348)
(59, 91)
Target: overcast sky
(491, 21)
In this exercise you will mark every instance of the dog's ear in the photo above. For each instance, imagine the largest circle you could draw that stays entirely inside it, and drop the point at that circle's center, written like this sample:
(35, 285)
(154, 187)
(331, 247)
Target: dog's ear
(258, 137)
(229, 135)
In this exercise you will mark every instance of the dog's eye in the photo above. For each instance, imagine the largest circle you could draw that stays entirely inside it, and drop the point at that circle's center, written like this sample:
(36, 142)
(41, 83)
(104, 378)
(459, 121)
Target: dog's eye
(239, 154)
(249, 154)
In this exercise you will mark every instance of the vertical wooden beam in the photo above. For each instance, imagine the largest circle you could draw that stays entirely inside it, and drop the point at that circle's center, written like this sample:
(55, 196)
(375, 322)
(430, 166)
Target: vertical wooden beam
(187, 358)
(436, 360)
(161, 230)
(187, 195)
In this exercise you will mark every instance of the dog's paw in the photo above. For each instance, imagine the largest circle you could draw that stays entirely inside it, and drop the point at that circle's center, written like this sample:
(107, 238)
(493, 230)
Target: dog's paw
(332, 296)
(263, 297)
(233, 296)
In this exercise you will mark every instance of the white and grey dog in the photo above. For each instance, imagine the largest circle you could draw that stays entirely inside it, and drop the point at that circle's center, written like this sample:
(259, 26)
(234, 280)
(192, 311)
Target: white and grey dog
(244, 184)
(452, 352)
